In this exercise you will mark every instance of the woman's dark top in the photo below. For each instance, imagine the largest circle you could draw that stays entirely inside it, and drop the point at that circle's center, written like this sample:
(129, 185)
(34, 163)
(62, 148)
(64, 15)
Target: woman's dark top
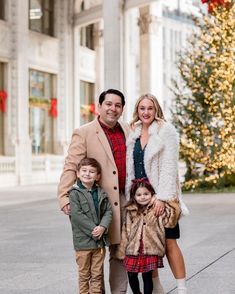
(139, 160)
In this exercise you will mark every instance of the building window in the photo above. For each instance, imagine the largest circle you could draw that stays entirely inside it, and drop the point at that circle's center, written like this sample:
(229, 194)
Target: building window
(2, 91)
(87, 103)
(2, 9)
(82, 5)
(41, 16)
(42, 87)
(86, 36)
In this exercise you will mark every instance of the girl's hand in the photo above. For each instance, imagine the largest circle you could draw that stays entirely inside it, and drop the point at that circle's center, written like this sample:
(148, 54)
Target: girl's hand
(159, 207)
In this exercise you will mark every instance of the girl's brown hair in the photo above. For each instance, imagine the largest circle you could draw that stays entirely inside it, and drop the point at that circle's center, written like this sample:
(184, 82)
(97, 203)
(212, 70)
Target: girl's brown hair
(159, 113)
(136, 184)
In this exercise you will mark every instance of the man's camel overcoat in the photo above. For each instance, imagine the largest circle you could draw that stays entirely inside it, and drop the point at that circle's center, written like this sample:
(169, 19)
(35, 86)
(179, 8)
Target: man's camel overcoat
(90, 141)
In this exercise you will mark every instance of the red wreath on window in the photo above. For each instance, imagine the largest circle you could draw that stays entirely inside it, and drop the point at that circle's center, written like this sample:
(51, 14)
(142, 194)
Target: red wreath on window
(3, 97)
(53, 109)
(87, 109)
(92, 108)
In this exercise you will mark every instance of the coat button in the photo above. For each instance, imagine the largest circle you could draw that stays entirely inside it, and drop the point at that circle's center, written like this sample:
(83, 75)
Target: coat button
(114, 172)
(115, 188)
(144, 224)
(115, 203)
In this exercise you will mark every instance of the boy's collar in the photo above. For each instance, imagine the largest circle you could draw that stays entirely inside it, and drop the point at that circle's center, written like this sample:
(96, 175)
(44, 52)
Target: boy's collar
(80, 185)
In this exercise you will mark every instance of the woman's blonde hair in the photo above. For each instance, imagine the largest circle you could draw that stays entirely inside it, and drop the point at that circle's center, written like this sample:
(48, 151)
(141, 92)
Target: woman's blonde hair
(159, 113)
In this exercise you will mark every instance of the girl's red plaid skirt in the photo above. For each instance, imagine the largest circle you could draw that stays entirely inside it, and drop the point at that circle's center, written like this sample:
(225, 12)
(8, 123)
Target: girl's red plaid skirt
(142, 263)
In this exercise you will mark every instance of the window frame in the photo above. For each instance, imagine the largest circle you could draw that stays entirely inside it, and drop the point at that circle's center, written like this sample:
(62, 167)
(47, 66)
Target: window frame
(39, 104)
(2, 10)
(45, 11)
(87, 94)
(87, 37)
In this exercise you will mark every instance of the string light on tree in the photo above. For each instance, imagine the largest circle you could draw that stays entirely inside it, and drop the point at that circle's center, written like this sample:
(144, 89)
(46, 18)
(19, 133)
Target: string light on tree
(205, 111)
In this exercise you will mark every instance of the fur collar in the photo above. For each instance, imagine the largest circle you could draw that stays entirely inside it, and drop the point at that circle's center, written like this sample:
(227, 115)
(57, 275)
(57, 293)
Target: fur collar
(158, 134)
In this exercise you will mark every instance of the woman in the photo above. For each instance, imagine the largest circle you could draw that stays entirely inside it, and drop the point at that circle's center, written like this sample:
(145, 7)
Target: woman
(152, 152)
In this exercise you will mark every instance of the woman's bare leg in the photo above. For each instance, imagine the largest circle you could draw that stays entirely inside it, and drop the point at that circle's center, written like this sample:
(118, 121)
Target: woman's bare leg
(175, 258)
(176, 262)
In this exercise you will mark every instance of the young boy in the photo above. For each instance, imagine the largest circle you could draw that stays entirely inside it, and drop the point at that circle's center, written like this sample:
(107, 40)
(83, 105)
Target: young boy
(91, 214)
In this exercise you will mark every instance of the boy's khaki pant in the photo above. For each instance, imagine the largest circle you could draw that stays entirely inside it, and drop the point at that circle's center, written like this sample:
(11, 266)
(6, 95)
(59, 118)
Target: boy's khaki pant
(90, 263)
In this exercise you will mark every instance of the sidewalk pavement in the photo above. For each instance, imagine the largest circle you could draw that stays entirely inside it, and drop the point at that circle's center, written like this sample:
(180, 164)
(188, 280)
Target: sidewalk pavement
(207, 241)
(27, 194)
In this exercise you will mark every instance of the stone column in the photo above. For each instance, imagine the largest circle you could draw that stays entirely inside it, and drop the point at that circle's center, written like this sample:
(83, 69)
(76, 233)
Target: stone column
(113, 44)
(67, 99)
(150, 23)
(76, 77)
(99, 66)
(130, 57)
(20, 90)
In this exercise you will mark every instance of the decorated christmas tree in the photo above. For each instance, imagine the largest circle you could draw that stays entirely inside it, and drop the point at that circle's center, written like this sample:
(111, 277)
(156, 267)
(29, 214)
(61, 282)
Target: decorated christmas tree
(204, 106)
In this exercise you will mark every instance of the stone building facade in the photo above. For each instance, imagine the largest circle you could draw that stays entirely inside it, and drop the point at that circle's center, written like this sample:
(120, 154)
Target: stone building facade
(56, 56)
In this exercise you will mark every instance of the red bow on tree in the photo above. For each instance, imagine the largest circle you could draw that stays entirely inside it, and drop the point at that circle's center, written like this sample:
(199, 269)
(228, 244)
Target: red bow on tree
(53, 110)
(3, 97)
(213, 3)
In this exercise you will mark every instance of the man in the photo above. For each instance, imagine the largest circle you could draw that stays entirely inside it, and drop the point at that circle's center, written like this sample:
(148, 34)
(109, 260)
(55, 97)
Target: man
(104, 140)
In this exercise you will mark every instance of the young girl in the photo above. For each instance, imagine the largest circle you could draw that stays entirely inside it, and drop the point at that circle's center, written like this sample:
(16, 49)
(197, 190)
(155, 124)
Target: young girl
(143, 234)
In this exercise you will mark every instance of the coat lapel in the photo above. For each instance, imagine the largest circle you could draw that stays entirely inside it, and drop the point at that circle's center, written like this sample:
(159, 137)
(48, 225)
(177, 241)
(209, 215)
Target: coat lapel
(104, 141)
(155, 142)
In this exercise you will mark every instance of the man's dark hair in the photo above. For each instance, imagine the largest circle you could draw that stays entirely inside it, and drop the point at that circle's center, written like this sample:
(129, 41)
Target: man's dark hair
(111, 91)
(90, 161)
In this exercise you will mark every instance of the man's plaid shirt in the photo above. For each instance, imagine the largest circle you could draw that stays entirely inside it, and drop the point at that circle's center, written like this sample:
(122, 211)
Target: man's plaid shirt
(117, 143)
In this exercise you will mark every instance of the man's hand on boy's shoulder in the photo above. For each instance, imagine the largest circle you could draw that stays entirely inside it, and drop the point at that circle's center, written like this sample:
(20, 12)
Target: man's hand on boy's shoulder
(66, 209)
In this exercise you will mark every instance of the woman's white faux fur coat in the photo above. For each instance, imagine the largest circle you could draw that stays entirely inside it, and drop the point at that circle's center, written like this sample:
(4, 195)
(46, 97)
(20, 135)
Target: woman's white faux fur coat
(160, 161)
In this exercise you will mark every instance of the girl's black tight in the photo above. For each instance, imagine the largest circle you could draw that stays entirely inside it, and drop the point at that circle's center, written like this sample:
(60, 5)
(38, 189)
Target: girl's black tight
(148, 282)
(134, 282)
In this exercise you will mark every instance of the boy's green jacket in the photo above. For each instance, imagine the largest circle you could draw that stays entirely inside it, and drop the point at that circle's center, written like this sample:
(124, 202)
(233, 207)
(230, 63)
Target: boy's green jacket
(84, 217)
